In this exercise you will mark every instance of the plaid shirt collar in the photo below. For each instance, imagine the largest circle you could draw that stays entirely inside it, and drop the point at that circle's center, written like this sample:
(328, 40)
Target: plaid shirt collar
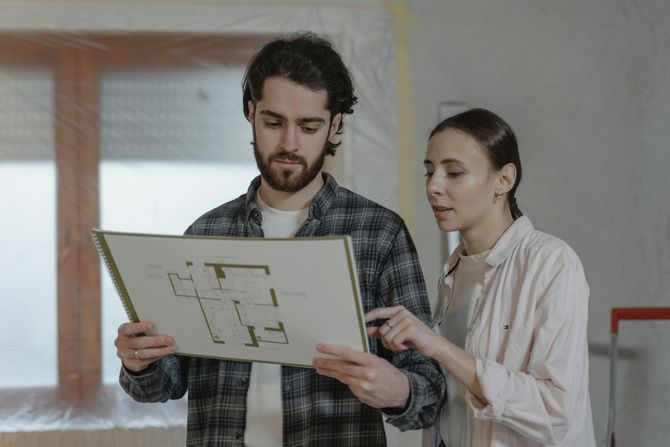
(319, 207)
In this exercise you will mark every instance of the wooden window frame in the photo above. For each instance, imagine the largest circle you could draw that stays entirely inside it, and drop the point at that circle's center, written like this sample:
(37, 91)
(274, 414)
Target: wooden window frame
(77, 61)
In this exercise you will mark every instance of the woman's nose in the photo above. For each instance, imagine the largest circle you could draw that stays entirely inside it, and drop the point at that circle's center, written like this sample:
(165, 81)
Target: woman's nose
(434, 186)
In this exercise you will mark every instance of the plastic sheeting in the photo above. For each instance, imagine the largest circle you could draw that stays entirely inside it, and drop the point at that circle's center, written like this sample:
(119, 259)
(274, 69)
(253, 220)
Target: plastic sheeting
(362, 31)
(367, 161)
(43, 409)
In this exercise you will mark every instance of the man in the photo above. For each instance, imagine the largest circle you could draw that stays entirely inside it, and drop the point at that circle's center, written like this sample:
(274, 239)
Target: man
(296, 92)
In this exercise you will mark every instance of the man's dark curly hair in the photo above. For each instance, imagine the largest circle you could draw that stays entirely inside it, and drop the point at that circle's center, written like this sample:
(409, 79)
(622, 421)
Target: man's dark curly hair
(308, 60)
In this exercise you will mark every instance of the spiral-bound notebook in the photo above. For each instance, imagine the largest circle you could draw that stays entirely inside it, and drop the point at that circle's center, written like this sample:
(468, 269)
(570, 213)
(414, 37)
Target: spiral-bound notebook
(251, 299)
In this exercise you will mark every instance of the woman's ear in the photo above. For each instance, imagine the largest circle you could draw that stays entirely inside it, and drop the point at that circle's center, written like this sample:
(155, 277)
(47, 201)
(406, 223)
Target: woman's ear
(507, 178)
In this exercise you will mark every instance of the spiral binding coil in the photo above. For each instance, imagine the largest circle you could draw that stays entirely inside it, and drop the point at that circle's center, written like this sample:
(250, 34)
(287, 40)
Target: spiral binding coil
(96, 240)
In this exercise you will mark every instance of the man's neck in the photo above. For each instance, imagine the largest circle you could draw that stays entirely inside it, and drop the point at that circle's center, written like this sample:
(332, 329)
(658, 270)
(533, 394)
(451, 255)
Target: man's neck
(291, 201)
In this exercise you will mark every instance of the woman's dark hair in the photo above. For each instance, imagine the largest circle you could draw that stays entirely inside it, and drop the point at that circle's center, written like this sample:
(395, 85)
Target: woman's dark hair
(496, 137)
(308, 60)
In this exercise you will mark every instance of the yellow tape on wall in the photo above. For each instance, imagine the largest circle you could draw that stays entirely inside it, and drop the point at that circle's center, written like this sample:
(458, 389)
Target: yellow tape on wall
(402, 20)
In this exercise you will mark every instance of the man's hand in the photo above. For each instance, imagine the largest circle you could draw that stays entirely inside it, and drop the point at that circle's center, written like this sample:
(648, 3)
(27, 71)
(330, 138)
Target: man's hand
(372, 379)
(136, 350)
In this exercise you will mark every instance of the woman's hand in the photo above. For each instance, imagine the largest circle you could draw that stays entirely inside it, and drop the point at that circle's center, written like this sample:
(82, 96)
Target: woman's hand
(403, 330)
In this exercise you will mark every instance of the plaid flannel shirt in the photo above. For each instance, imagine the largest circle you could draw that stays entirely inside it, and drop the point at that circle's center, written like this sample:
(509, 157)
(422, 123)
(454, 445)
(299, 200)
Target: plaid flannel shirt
(317, 410)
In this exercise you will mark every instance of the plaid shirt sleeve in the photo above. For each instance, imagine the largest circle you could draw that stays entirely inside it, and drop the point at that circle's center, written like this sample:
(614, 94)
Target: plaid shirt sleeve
(163, 380)
(401, 283)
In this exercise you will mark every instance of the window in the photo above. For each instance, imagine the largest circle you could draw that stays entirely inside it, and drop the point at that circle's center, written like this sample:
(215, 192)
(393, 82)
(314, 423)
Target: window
(27, 219)
(76, 120)
(174, 144)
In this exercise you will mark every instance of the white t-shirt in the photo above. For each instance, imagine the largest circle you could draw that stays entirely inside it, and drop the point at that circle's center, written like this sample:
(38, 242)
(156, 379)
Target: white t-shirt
(454, 423)
(264, 424)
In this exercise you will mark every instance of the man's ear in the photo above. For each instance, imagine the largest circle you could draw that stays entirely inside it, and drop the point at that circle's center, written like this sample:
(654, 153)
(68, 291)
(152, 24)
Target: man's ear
(507, 178)
(334, 125)
(251, 107)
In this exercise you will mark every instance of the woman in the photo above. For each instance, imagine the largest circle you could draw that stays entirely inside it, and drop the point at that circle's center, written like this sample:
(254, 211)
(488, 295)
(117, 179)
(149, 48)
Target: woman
(512, 310)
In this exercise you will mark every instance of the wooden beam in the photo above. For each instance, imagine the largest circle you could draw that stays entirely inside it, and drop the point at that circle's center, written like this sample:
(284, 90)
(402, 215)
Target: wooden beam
(25, 50)
(88, 157)
(79, 348)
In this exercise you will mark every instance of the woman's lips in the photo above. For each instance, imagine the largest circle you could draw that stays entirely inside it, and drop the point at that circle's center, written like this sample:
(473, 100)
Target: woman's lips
(441, 212)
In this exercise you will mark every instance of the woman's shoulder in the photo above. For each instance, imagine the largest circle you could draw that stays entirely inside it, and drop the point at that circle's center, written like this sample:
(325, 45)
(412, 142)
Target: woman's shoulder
(543, 247)
(550, 264)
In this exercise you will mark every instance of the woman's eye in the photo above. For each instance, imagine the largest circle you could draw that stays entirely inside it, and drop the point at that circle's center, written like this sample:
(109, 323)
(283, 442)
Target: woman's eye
(428, 174)
(454, 173)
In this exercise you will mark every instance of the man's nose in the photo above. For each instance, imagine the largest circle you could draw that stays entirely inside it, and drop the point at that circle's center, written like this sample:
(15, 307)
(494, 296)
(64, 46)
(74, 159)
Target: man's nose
(289, 141)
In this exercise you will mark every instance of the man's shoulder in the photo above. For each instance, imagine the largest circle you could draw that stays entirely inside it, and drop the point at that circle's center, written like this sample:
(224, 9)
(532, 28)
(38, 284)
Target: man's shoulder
(222, 215)
(366, 209)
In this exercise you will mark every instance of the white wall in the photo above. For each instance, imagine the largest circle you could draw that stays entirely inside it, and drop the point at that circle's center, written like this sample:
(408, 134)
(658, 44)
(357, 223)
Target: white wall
(586, 86)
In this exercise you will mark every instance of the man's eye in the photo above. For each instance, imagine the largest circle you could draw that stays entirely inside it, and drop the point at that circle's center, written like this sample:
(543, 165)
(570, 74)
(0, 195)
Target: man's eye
(428, 174)
(309, 129)
(272, 124)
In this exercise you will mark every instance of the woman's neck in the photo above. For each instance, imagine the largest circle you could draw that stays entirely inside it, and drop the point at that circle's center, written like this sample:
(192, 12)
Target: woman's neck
(485, 236)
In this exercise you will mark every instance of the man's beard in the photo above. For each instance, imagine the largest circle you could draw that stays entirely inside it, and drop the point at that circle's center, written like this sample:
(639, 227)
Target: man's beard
(287, 180)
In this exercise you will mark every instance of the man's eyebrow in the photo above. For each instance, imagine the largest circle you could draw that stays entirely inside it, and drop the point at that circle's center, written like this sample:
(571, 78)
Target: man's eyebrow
(273, 114)
(311, 119)
(303, 120)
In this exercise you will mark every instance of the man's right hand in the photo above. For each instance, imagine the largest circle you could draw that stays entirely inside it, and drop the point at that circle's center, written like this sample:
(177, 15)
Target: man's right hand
(136, 350)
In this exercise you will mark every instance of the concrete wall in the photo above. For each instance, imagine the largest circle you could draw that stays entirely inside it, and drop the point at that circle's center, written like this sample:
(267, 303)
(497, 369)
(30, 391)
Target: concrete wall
(586, 86)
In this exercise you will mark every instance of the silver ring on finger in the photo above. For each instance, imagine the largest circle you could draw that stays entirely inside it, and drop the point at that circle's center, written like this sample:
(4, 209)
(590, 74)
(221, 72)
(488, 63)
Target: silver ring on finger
(136, 357)
(388, 324)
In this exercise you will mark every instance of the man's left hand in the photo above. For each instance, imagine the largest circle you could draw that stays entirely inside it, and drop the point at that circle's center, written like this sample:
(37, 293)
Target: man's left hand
(372, 379)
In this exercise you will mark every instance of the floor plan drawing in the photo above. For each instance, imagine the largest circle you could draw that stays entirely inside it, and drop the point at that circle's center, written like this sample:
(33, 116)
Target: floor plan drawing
(238, 302)
(247, 299)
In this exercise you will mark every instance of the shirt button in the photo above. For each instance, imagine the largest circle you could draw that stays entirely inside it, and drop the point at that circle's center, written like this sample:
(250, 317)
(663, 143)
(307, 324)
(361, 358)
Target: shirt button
(238, 435)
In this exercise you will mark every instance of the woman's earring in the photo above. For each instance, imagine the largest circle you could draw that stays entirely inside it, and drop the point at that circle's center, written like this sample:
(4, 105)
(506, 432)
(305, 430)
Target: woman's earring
(497, 197)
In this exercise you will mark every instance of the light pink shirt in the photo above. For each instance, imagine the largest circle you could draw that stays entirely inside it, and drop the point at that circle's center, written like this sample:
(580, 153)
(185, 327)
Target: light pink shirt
(528, 335)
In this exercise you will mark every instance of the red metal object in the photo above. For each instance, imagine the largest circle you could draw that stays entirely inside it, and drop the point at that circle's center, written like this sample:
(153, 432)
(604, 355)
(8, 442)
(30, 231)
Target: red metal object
(638, 313)
(618, 314)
